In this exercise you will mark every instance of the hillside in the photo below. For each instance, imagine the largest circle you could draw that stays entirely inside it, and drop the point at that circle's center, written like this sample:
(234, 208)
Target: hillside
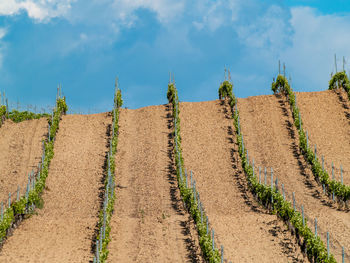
(149, 223)
(272, 140)
(63, 230)
(326, 116)
(247, 232)
(21, 149)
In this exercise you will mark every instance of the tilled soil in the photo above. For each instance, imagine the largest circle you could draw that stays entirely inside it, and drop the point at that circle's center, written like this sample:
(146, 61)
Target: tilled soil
(149, 223)
(247, 232)
(21, 150)
(63, 230)
(326, 117)
(272, 140)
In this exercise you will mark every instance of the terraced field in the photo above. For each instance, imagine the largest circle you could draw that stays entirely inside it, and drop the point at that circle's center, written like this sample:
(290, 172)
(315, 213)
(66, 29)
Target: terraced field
(154, 214)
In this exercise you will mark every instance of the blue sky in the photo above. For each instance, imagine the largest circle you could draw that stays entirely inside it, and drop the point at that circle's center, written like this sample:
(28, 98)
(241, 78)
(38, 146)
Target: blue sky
(84, 45)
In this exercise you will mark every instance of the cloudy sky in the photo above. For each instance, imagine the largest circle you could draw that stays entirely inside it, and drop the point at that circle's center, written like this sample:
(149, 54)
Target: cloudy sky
(85, 44)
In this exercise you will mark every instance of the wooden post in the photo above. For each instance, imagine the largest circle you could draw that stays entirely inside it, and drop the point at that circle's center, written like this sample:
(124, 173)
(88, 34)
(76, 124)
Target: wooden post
(322, 163)
(294, 201)
(335, 63)
(302, 213)
(315, 227)
(328, 244)
(259, 175)
(222, 254)
(212, 232)
(279, 67)
(253, 168)
(207, 225)
(341, 174)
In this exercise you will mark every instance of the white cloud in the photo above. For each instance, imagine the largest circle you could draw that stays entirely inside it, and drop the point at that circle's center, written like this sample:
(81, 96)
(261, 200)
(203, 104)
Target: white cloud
(214, 14)
(3, 32)
(316, 39)
(40, 10)
(165, 10)
(268, 31)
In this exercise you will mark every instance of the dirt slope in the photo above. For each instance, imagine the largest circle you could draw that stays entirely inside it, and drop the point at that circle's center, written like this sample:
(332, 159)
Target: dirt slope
(149, 222)
(246, 231)
(63, 229)
(21, 150)
(272, 140)
(326, 116)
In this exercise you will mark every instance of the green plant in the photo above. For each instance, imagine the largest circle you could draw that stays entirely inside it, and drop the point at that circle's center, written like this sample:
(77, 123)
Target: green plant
(2, 113)
(18, 116)
(119, 101)
(187, 194)
(342, 192)
(271, 198)
(340, 80)
(33, 197)
(280, 85)
(225, 91)
(105, 213)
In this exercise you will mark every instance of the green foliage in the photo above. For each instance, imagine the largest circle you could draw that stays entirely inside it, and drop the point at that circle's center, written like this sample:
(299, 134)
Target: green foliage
(21, 206)
(110, 205)
(187, 194)
(225, 91)
(61, 108)
(2, 110)
(172, 93)
(280, 85)
(119, 98)
(340, 80)
(18, 116)
(273, 199)
(2, 113)
(342, 192)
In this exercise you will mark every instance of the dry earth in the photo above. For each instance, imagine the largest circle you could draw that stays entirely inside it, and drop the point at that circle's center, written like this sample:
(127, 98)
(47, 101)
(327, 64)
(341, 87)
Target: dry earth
(272, 140)
(326, 117)
(21, 150)
(247, 232)
(63, 230)
(149, 222)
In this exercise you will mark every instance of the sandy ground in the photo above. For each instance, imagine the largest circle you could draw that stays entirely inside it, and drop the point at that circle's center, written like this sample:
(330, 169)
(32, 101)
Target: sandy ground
(247, 232)
(149, 222)
(326, 116)
(63, 230)
(21, 150)
(272, 140)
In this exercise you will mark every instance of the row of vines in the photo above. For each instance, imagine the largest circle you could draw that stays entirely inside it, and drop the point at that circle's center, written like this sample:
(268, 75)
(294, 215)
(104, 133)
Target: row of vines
(189, 194)
(271, 198)
(333, 187)
(25, 204)
(105, 215)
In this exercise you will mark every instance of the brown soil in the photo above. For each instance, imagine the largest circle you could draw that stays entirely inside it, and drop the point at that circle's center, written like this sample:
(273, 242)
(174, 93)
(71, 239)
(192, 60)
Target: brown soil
(326, 117)
(272, 140)
(247, 232)
(21, 150)
(149, 222)
(63, 230)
